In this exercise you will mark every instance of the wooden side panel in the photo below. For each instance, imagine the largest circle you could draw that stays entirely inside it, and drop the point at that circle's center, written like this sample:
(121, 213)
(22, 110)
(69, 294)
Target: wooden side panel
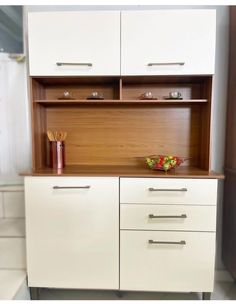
(205, 122)
(39, 140)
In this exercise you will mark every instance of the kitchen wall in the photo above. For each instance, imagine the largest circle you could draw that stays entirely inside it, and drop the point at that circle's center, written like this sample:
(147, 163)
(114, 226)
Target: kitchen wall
(14, 120)
(219, 86)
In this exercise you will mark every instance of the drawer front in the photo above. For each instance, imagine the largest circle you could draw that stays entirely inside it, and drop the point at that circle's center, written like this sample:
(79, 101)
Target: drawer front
(72, 233)
(187, 266)
(168, 191)
(168, 217)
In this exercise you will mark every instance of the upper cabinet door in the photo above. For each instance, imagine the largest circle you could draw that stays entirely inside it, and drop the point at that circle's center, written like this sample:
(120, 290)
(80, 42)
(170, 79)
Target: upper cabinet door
(74, 43)
(168, 42)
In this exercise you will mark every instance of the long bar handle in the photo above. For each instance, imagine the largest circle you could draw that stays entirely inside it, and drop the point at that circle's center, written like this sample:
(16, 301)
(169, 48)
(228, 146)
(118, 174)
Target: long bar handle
(182, 216)
(74, 63)
(165, 63)
(168, 190)
(167, 242)
(71, 187)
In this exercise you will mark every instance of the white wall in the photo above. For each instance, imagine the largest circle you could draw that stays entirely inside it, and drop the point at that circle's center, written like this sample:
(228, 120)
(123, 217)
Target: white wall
(14, 123)
(219, 85)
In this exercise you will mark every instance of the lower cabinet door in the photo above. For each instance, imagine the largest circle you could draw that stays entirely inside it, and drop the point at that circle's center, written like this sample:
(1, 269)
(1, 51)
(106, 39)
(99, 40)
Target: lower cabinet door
(72, 232)
(167, 261)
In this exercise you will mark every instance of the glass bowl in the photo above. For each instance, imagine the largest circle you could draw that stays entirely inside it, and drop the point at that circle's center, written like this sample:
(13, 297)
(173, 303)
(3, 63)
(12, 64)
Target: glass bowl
(164, 162)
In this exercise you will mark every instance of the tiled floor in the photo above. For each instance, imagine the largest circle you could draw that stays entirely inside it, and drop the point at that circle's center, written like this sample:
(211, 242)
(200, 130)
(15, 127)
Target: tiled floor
(10, 282)
(222, 291)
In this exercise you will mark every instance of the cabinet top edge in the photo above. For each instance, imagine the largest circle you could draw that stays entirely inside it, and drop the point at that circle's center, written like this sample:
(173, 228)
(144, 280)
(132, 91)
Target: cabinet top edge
(133, 10)
(123, 171)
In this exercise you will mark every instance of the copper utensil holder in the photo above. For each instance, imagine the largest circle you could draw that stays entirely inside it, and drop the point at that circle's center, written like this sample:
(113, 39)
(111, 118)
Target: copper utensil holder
(57, 154)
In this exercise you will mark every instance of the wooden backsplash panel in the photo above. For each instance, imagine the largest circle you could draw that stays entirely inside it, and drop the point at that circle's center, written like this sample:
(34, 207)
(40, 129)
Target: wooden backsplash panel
(108, 135)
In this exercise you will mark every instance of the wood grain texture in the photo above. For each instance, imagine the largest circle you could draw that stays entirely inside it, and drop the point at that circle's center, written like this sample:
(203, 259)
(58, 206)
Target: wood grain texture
(118, 102)
(82, 91)
(121, 129)
(188, 91)
(118, 136)
(124, 171)
(38, 121)
(205, 120)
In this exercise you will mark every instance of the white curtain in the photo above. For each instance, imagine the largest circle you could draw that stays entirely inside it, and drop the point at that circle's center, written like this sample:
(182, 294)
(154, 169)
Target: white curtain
(15, 155)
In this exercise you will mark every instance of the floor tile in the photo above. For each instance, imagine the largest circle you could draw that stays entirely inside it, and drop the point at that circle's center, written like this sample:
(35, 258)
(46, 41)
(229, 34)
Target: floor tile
(12, 253)
(10, 283)
(12, 227)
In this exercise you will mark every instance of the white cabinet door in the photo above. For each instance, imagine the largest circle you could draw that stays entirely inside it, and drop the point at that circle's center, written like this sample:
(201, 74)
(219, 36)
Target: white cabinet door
(168, 42)
(87, 42)
(72, 233)
(167, 261)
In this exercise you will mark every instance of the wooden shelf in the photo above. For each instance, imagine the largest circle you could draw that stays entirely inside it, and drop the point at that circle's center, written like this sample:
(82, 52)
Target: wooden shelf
(121, 102)
(122, 171)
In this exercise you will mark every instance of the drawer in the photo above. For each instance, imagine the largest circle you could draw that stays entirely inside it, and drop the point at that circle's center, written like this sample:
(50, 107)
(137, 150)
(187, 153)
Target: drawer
(168, 217)
(168, 191)
(185, 263)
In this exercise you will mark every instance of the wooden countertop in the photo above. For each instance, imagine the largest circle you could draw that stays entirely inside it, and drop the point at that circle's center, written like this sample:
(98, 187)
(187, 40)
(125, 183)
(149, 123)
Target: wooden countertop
(124, 171)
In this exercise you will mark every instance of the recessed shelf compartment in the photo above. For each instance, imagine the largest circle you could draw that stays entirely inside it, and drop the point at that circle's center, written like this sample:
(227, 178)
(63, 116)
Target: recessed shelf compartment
(191, 88)
(121, 129)
(80, 88)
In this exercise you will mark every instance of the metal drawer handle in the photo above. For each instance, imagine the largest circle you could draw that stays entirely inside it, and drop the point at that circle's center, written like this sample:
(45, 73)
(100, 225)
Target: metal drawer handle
(168, 190)
(166, 243)
(71, 187)
(165, 63)
(74, 63)
(152, 216)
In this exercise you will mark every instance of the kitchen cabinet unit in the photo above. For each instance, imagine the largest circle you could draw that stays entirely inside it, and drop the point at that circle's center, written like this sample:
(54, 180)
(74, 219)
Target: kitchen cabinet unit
(133, 228)
(72, 232)
(229, 206)
(74, 43)
(168, 42)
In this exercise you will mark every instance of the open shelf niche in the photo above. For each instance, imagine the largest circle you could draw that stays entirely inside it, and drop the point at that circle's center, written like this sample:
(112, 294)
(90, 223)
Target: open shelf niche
(121, 129)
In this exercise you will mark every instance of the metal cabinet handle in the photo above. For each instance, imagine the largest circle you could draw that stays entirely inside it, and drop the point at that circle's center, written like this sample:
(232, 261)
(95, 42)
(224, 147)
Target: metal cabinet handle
(152, 216)
(71, 187)
(165, 63)
(74, 63)
(168, 190)
(167, 242)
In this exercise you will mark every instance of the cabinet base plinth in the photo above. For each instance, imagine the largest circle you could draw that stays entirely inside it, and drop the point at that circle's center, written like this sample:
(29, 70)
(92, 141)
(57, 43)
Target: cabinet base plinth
(206, 295)
(34, 293)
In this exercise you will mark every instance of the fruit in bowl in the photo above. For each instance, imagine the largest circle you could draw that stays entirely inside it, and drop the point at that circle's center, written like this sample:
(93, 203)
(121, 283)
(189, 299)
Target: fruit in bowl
(164, 162)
